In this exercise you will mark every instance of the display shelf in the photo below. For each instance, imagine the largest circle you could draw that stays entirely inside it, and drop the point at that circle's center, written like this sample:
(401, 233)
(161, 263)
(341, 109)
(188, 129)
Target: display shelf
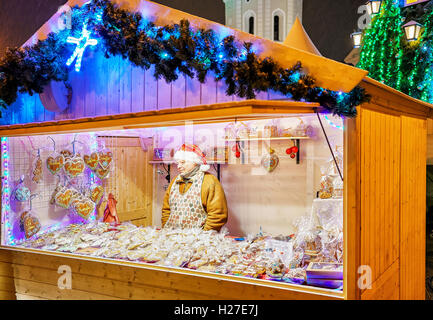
(267, 138)
(174, 162)
(296, 139)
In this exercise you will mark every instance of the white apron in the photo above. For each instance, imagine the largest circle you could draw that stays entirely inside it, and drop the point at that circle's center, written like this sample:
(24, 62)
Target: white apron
(186, 210)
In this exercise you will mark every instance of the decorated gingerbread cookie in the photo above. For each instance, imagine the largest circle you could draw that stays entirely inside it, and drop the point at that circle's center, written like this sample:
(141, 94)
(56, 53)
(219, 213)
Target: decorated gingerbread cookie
(30, 224)
(96, 194)
(64, 198)
(22, 193)
(37, 171)
(102, 173)
(105, 159)
(54, 164)
(91, 161)
(74, 167)
(67, 154)
(84, 208)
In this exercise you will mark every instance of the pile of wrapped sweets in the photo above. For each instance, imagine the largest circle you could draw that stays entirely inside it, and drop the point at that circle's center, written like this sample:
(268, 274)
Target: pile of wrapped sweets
(256, 256)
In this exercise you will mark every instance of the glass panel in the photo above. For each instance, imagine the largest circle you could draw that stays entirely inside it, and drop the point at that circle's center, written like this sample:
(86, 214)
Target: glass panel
(269, 205)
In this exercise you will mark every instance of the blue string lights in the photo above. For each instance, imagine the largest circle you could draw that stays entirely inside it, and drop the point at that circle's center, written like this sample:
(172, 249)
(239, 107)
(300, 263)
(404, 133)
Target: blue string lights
(6, 193)
(333, 124)
(82, 43)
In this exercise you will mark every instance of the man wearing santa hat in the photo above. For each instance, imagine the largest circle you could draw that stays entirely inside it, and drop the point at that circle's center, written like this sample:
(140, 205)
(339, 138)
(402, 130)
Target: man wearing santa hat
(195, 198)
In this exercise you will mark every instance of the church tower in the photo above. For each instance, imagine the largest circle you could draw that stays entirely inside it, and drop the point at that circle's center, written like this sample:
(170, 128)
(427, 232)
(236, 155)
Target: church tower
(270, 19)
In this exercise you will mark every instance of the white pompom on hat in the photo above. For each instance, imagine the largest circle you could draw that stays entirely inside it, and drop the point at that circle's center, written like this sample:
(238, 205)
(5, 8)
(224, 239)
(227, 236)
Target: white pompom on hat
(192, 153)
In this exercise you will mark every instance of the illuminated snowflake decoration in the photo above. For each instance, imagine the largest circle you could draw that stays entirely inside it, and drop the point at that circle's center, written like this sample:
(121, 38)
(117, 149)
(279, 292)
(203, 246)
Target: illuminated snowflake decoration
(82, 44)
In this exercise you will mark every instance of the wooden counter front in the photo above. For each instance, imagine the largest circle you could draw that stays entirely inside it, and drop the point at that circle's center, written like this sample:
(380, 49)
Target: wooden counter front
(34, 275)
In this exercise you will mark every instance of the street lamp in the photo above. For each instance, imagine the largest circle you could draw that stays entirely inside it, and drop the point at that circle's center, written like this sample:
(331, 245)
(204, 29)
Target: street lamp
(373, 6)
(357, 39)
(412, 30)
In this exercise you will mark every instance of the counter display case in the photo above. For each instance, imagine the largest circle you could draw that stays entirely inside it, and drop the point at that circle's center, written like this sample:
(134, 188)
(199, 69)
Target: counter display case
(319, 207)
(99, 194)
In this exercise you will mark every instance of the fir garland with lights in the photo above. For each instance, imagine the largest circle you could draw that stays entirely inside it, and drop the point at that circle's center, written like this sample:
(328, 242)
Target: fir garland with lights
(391, 59)
(173, 50)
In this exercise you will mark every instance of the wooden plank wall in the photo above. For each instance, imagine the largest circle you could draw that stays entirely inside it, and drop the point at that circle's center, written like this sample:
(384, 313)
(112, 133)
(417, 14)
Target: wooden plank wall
(380, 182)
(392, 202)
(7, 283)
(413, 208)
(131, 181)
(36, 277)
(112, 86)
(430, 141)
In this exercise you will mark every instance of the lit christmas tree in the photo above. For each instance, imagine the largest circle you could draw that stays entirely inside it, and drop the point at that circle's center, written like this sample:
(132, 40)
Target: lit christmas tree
(390, 57)
(426, 64)
(381, 52)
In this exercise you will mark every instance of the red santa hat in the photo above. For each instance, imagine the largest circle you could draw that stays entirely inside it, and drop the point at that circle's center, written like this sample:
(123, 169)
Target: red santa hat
(192, 153)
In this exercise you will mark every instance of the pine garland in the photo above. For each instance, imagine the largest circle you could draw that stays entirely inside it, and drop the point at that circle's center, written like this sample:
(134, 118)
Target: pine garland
(173, 50)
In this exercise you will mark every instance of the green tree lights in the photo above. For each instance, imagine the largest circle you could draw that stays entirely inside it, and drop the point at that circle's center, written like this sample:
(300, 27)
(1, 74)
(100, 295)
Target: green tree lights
(391, 59)
(381, 52)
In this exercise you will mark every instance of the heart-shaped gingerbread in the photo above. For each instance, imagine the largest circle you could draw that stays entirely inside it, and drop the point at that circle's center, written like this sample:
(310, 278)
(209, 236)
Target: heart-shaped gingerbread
(101, 172)
(84, 208)
(67, 154)
(105, 159)
(74, 167)
(96, 194)
(92, 160)
(64, 198)
(31, 225)
(54, 164)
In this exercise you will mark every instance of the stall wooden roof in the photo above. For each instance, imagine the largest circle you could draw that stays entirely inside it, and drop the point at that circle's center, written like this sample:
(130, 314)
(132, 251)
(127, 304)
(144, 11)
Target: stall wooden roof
(205, 113)
(391, 100)
(330, 74)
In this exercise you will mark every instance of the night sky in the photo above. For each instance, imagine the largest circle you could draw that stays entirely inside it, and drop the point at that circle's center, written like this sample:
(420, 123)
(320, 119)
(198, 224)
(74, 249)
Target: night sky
(328, 22)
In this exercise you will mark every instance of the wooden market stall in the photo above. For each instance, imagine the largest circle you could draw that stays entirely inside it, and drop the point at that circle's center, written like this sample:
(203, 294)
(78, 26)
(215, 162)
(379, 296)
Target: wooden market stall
(384, 176)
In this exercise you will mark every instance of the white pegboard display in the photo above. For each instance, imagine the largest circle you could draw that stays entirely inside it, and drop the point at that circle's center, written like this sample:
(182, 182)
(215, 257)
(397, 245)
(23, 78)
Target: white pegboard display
(22, 155)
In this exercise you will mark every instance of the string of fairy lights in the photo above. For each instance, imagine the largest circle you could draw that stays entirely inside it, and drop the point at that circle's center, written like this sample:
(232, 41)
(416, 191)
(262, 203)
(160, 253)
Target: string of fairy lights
(6, 192)
(397, 48)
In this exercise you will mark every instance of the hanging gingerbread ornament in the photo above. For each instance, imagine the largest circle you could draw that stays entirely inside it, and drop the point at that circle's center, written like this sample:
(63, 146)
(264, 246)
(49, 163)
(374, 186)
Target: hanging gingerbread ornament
(64, 197)
(74, 167)
(66, 154)
(37, 169)
(102, 173)
(105, 159)
(270, 160)
(83, 207)
(91, 160)
(55, 161)
(29, 223)
(21, 193)
(96, 194)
